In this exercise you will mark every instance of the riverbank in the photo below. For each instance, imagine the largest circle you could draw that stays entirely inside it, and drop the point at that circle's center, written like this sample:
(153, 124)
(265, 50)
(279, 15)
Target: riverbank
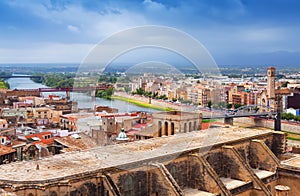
(141, 103)
(157, 103)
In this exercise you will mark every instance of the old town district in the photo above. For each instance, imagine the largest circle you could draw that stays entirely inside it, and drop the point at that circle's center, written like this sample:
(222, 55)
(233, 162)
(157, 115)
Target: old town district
(49, 146)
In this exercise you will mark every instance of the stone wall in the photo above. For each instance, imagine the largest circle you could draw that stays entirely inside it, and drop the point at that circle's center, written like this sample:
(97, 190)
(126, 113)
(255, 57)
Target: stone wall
(190, 169)
(268, 123)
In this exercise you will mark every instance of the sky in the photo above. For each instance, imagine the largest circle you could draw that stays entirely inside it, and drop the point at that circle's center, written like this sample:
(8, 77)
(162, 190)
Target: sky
(235, 32)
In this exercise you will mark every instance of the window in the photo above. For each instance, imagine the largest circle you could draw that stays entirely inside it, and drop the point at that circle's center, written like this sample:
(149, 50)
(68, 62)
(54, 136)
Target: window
(53, 193)
(128, 190)
(173, 171)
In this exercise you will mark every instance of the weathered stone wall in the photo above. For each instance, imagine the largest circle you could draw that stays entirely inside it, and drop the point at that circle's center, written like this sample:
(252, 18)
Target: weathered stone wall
(219, 161)
(291, 181)
(187, 169)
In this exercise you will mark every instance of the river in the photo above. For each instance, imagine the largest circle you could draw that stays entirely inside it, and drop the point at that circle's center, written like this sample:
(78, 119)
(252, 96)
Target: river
(84, 101)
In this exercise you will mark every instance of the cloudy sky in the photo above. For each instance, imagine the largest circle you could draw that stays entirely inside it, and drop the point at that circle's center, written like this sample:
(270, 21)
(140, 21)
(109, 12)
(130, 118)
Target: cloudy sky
(233, 31)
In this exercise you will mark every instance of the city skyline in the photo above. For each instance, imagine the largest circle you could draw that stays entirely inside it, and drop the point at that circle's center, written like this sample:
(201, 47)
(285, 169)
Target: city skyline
(234, 32)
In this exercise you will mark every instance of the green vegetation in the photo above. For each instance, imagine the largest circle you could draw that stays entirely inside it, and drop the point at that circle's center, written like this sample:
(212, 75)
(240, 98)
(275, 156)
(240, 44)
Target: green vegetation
(56, 80)
(292, 138)
(3, 73)
(107, 78)
(289, 116)
(237, 105)
(153, 95)
(106, 94)
(209, 104)
(220, 105)
(141, 104)
(285, 84)
(4, 84)
(209, 120)
(228, 105)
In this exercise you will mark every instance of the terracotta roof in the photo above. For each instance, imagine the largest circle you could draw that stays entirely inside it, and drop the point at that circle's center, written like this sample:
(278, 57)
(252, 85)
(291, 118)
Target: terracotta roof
(40, 136)
(6, 150)
(285, 91)
(17, 142)
(85, 142)
(47, 141)
(141, 125)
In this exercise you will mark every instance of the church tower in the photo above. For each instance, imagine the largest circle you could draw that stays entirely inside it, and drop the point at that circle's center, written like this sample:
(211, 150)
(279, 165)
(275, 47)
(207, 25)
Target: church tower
(271, 83)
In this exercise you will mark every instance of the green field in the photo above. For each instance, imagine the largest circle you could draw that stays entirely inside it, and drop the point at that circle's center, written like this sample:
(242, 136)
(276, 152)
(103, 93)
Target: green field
(141, 104)
(293, 136)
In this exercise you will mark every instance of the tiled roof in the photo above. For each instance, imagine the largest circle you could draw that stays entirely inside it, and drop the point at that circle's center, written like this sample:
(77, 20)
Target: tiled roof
(6, 150)
(85, 142)
(40, 136)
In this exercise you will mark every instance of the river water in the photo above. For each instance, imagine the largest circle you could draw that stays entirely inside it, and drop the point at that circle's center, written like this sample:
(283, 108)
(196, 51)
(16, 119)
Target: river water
(84, 101)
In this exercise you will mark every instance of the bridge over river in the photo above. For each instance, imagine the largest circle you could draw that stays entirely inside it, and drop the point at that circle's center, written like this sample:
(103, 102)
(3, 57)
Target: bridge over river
(20, 76)
(91, 89)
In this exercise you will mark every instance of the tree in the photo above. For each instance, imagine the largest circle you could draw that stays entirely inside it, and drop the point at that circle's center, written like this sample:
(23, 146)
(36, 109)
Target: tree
(237, 105)
(228, 105)
(285, 84)
(221, 104)
(287, 116)
(154, 95)
(140, 91)
(105, 93)
(127, 89)
(209, 104)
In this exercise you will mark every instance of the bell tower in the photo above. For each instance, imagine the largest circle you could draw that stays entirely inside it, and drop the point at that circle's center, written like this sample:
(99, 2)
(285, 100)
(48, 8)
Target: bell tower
(271, 83)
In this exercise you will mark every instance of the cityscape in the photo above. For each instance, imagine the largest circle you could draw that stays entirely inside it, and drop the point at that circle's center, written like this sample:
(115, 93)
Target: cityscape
(196, 98)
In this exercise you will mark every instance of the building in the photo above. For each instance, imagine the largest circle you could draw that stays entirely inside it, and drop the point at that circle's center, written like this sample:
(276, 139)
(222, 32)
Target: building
(7, 154)
(14, 115)
(102, 108)
(75, 142)
(61, 104)
(70, 121)
(3, 124)
(238, 162)
(174, 122)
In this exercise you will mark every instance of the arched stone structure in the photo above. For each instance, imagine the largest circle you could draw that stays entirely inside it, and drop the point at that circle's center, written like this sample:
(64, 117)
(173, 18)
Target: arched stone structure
(173, 122)
(30, 152)
(159, 129)
(165, 128)
(172, 128)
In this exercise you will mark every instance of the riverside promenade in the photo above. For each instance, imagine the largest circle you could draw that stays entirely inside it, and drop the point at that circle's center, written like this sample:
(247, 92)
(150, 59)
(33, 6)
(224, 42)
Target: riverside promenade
(156, 102)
